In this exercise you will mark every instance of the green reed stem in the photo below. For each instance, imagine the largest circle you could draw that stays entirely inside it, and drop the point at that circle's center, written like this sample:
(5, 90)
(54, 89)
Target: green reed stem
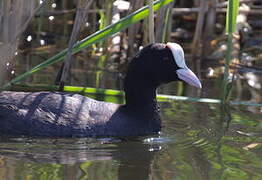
(111, 92)
(231, 18)
(94, 38)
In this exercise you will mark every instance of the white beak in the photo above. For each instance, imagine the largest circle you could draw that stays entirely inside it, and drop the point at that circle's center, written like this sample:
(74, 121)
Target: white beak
(184, 73)
(189, 77)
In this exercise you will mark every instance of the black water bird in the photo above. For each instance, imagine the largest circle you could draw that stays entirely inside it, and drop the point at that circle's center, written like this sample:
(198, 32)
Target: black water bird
(58, 114)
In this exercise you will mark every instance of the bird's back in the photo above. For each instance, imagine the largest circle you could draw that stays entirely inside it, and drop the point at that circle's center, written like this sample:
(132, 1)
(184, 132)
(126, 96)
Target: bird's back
(52, 114)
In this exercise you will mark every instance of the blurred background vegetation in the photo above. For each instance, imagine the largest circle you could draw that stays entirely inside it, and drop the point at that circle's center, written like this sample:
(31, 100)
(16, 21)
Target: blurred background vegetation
(33, 31)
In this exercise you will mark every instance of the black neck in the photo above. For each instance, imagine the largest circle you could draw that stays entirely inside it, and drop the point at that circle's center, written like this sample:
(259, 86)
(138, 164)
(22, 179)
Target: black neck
(140, 97)
(140, 94)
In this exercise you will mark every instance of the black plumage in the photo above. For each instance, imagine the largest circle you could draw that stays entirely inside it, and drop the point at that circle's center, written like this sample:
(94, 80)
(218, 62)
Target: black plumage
(58, 114)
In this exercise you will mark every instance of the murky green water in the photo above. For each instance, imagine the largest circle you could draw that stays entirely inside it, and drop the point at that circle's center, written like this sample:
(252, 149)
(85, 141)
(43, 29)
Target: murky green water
(196, 142)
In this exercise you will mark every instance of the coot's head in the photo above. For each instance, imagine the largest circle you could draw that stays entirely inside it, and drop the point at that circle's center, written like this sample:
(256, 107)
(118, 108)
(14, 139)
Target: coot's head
(160, 63)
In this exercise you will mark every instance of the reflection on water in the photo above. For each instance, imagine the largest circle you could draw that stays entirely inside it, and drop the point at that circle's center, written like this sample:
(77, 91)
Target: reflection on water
(197, 140)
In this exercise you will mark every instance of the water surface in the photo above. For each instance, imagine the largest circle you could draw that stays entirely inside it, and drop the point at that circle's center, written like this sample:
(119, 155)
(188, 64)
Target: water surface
(197, 141)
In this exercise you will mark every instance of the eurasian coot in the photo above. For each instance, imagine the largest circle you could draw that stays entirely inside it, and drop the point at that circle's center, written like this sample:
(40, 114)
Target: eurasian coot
(58, 114)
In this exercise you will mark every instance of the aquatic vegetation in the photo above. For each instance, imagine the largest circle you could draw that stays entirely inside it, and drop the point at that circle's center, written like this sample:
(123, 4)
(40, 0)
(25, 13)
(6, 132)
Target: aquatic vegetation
(231, 23)
(94, 38)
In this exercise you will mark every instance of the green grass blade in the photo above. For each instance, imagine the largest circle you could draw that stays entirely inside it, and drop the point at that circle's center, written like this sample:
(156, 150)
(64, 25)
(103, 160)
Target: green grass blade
(231, 17)
(94, 38)
(111, 92)
(231, 22)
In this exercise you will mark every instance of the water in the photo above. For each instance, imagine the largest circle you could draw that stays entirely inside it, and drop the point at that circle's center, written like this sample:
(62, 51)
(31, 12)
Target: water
(196, 141)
